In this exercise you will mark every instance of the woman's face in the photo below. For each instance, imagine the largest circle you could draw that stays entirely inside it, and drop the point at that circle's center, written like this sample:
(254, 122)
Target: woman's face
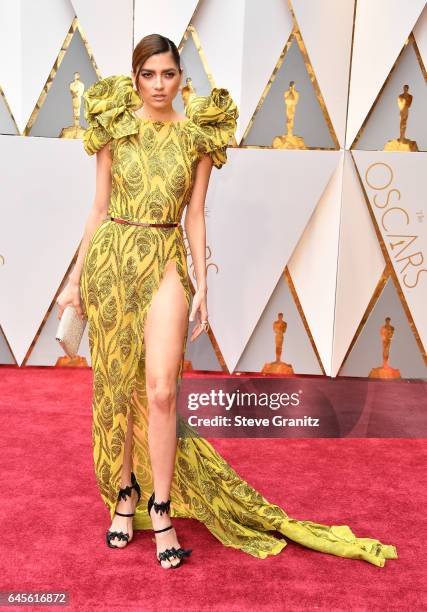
(159, 80)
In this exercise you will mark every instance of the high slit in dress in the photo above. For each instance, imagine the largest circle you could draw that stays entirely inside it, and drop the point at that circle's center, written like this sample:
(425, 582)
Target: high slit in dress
(153, 170)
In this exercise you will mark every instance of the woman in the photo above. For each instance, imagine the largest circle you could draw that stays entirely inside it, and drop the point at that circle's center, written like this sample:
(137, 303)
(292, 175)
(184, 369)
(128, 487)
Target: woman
(133, 279)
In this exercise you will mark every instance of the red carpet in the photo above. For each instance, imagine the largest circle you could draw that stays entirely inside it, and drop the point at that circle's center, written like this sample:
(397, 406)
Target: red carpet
(54, 521)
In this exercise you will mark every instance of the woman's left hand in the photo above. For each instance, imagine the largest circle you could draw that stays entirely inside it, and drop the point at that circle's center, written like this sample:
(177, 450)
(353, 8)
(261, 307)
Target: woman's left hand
(200, 309)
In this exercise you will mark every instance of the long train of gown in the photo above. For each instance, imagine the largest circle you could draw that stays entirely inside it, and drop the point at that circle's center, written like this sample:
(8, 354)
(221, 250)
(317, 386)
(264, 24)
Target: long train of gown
(204, 486)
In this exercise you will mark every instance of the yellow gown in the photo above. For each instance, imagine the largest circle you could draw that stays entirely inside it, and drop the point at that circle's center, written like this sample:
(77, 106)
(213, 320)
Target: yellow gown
(153, 168)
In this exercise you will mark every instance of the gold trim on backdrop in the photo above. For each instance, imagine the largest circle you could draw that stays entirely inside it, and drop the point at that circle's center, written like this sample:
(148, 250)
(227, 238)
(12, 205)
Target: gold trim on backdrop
(75, 25)
(309, 67)
(410, 39)
(391, 267)
(264, 95)
(217, 351)
(191, 31)
(297, 36)
(349, 73)
(375, 297)
(9, 110)
(295, 297)
(418, 55)
(187, 32)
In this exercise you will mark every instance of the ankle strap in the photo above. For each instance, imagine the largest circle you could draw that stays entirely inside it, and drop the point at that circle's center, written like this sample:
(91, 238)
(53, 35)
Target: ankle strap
(164, 529)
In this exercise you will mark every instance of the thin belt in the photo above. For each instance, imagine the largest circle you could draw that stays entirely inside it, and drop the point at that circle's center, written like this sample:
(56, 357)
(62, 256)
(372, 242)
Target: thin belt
(127, 222)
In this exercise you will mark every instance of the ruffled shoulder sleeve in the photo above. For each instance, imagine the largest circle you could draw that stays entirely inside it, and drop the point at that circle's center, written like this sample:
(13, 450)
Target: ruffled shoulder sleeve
(108, 109)
(215, 119)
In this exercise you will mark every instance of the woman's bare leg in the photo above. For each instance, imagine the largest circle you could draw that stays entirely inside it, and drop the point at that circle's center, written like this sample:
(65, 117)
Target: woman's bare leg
(124, 523)
(165, 327)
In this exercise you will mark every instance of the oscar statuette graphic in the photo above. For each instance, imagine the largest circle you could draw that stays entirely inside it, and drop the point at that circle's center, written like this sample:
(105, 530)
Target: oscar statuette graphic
(187, 365)
(188, 92)
(78, 361)
(402, 143)
(289, 140)
(76, 130)
(385, 371)
(278, 366)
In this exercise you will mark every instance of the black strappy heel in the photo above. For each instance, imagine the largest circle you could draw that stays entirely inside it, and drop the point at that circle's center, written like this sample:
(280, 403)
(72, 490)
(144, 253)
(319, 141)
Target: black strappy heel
(165, 555)
(123, 494)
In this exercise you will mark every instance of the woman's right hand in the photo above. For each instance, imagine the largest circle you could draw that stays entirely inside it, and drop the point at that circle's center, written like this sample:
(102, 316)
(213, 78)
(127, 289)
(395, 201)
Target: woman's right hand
(70, 296)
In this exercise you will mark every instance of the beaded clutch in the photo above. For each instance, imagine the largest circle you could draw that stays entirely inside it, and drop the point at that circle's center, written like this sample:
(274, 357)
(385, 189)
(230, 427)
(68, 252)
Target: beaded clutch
(70, 331)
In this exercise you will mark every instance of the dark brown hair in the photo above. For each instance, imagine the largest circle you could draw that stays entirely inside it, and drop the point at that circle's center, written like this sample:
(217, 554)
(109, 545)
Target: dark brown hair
(150, 45)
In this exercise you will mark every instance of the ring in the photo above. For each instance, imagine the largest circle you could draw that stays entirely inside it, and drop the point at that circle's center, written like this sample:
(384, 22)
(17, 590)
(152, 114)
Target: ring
(205, 324)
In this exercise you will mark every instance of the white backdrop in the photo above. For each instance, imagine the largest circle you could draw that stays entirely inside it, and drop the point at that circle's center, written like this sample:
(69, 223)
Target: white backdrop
(299, 232)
